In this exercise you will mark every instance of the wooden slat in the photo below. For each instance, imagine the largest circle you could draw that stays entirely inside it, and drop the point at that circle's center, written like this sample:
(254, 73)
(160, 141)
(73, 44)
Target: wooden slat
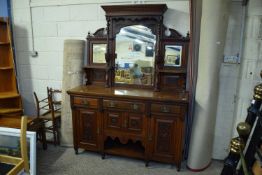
(4, 43)
(6, 68)
(23, 143)
(4, 95)
(9, 159)
(17, 169)
(10, 110)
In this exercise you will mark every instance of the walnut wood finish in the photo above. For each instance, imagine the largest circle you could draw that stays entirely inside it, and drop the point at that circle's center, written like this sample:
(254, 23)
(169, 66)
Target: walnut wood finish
(151, 16)
(140, 123)
(145, 122)
(10, 100)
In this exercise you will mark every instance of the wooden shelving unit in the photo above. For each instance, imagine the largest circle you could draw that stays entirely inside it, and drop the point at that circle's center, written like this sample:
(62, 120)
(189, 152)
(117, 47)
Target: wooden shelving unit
(10, 99)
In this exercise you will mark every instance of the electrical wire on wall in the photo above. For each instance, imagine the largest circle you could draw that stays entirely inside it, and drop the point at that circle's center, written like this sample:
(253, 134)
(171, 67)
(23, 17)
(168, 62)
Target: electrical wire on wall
(34, 53)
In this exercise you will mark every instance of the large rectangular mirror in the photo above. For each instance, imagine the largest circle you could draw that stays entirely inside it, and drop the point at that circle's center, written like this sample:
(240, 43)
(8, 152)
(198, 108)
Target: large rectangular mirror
(135, 49)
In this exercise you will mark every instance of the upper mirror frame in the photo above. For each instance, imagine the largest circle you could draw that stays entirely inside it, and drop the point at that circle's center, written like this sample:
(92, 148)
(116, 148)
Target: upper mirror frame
(175, 39)
(99, 37)
(150, 16)
(119, 16)
(184, 54)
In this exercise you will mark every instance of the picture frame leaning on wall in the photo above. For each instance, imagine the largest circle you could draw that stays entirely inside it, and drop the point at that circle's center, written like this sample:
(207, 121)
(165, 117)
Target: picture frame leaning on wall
(31, 139)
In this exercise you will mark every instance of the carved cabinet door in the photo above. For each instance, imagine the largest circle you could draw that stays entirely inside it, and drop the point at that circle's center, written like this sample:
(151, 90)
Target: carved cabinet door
(135, 123)
(88, 129)
(113, 120)
(163, 137)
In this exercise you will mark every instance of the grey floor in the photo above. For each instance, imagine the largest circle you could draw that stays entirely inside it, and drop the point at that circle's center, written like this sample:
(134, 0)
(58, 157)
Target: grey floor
(61, 160)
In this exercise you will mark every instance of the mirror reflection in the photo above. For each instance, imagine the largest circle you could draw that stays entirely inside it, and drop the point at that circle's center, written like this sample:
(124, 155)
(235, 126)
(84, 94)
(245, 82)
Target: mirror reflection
(99, 51)
(135, 49)
(173, 55)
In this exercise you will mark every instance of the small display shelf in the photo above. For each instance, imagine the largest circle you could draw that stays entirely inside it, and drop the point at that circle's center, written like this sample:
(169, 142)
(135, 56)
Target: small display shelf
(5, 55)
(4, 95)
(10, 105)
(4, 30)
(131, 149)
(173, 71)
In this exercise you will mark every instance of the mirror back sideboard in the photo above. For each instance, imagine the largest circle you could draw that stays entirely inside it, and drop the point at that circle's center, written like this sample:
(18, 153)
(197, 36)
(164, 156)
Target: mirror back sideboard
(114, 113)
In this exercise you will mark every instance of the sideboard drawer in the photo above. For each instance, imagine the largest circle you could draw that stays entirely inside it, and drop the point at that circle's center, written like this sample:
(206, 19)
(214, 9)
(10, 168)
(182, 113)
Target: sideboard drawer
(88, 102)
(164, 108)
(124, 105)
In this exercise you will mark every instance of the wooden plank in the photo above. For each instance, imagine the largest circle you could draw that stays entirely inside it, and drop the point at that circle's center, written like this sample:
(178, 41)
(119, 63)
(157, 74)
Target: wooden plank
(9, 159)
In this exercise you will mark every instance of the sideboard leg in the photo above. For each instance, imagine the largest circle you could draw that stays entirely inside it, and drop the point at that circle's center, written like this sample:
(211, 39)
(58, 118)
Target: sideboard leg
(76, 151)
(103, 155)
(147, 163)
(178, 167)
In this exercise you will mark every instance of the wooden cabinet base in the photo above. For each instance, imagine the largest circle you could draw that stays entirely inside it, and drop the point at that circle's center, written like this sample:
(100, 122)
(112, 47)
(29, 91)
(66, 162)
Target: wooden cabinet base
(148, 126)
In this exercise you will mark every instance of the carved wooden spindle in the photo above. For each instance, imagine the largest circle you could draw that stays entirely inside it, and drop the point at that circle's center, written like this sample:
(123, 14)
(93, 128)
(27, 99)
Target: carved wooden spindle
(107, 54)
(158, 56)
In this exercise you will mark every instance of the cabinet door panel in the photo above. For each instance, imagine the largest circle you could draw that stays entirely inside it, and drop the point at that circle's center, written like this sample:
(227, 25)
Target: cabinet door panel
(113, 120)
(164, 137)
(134, 122)
(88, 129)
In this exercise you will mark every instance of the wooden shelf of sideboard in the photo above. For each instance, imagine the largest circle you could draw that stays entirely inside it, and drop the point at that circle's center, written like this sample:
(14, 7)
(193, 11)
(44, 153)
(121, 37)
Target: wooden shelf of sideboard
(125, 151)
(173, 71)
(94, 67)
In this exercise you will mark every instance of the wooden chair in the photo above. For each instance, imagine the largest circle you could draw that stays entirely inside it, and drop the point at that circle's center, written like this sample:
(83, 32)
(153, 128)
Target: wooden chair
(48, 111)
(55, 105)
(14, 165)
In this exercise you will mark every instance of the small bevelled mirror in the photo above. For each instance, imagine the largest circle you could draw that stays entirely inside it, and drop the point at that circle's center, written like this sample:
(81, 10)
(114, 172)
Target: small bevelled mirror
(173, 55)
(135, 49)
(99, 51)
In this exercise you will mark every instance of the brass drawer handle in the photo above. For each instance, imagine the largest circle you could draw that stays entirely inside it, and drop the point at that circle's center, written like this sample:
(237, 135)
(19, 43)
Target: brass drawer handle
(135, 107)
(112, 104)
(165, 109)
(85, 102)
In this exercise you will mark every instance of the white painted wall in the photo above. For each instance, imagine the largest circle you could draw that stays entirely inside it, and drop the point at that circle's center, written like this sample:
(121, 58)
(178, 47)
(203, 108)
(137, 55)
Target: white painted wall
(251, 61)
(237, 81)
(56, 20)
(228, 79)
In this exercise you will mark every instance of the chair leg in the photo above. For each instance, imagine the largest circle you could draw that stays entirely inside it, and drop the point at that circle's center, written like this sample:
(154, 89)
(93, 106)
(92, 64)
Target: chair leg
(54, 134)
(57, 126)
(58, 136)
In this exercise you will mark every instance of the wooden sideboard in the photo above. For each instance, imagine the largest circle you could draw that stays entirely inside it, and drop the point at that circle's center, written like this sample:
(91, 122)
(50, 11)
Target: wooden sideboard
(137, 123)
(134, 101)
